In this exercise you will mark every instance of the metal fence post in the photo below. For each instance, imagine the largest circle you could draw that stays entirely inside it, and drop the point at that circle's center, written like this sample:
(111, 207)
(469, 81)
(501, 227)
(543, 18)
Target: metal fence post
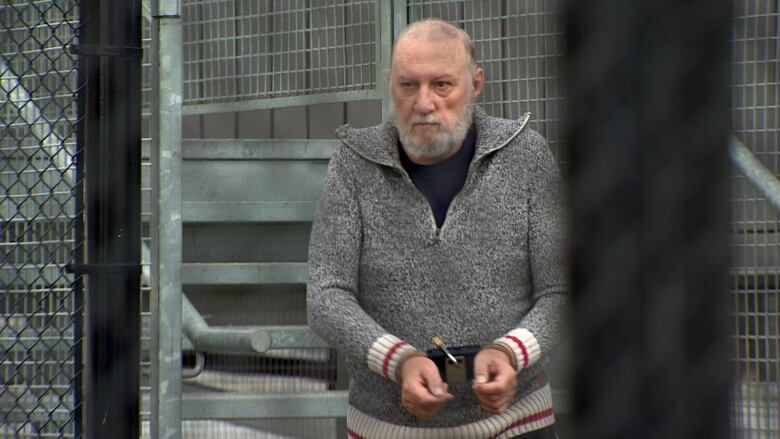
(166, 297)
(647, 136)
(387, 13)
(110, 133)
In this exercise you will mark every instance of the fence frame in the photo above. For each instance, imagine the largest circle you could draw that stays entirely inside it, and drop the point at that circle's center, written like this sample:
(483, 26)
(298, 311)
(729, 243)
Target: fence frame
(165, 400)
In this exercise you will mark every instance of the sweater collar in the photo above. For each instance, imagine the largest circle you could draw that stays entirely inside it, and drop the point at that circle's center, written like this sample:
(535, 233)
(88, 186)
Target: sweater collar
(378, 143)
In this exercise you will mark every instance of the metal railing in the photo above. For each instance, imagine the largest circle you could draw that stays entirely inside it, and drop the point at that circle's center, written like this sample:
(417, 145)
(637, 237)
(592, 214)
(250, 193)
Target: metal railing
(764, 180)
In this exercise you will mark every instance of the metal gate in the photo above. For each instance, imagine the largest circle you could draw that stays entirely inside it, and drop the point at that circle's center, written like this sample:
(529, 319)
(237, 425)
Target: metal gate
(263, 83)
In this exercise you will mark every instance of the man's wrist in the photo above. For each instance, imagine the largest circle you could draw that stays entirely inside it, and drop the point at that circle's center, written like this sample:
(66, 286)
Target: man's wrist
(507, 351)
(406, 356)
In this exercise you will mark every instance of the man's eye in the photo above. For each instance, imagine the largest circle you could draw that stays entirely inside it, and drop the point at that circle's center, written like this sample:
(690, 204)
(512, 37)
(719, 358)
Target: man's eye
(442, 84)
(407, 85)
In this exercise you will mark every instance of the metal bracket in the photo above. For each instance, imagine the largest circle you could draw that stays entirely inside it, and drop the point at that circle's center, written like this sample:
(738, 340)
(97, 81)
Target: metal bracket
(103, 268)
(104, 50)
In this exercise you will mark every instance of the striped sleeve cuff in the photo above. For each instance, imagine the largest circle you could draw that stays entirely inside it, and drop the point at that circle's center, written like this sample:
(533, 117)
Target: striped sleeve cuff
(524, 345)
(385, 354)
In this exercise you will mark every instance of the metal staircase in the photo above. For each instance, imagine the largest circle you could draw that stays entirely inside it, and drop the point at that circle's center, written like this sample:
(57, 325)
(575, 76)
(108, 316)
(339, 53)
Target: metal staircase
(230, 218)
(246, 206)
(258, 198)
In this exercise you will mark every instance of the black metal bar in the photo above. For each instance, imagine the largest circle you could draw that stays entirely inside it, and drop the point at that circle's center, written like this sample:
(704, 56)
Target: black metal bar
(647, 137)
(110, 135)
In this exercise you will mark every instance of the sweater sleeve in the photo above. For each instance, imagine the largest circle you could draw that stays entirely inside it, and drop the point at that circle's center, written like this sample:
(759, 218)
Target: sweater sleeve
(541, 328)
(334, 311)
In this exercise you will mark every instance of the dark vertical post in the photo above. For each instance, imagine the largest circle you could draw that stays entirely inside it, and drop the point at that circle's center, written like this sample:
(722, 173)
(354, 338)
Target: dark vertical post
(647, 137)
(110, 136)
(79, 254)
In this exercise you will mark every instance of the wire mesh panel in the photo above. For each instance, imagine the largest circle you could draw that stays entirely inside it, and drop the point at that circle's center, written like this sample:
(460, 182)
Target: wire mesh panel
(39, 303)
(755, 223)
(146, 208)
(237, 50)
(520, 46)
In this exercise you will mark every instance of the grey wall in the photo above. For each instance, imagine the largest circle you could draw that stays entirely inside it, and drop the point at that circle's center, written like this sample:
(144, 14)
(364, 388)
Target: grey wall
(310, 122)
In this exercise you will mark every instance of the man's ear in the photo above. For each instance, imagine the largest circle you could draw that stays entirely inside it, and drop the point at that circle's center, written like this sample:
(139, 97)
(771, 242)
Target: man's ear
(479, 81)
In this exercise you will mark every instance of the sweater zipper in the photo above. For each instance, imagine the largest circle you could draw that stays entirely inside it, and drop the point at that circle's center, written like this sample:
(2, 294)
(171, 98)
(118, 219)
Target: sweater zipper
(523, 123)
(408, 179)
(431, 216)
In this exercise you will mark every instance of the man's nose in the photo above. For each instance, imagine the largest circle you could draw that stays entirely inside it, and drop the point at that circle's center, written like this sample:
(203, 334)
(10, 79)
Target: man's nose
(425, 101)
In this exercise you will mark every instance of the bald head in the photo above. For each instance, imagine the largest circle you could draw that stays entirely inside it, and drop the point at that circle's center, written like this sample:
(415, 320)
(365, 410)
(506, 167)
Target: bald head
(435, 30)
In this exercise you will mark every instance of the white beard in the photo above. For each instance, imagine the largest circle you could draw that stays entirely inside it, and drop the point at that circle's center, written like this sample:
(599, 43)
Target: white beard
(446, 141)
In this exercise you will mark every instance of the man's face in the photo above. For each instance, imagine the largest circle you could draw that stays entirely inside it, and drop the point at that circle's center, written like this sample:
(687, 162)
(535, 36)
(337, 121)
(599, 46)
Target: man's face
(432, 88)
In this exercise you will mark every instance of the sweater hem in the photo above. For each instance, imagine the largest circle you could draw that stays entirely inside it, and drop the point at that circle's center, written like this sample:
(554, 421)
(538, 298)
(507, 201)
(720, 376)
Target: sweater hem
(533, 412)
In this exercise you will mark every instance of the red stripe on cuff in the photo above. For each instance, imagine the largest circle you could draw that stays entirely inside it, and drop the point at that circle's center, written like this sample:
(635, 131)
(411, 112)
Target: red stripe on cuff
(527, 420)
(522, 348)
(354, 435)
(386, 363)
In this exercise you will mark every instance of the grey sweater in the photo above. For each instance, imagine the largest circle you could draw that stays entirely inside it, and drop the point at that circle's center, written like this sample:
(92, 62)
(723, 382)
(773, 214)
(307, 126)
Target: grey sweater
(385, 279)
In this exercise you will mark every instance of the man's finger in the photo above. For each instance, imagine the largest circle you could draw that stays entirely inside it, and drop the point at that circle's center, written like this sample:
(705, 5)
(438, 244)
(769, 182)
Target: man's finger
(481, 369)
(433, 382)
(492, 388)
(420, 395)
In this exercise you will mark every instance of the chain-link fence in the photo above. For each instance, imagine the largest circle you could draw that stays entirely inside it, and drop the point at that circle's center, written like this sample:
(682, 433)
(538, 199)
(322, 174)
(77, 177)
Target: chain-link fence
(40, 309)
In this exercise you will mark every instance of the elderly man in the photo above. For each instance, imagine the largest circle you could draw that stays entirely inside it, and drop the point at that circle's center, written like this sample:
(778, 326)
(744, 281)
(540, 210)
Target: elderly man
(440, 222)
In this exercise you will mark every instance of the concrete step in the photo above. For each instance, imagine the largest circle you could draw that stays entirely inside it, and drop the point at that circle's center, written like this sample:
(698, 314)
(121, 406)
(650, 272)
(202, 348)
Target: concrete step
(215, 405)
(247, 211)
(268, 149)
(255, 149)
(253, 181)
(245, 273)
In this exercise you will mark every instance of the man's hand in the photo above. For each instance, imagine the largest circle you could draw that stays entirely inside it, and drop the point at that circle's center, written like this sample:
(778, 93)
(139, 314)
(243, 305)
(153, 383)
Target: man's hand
(423, 392)
(495, 380)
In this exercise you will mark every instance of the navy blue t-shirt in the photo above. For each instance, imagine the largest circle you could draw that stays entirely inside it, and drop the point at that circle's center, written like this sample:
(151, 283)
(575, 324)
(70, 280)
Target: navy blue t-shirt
(441, 181)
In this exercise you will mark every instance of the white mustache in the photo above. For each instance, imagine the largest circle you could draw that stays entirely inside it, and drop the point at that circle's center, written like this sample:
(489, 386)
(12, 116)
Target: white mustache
(425, 119)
